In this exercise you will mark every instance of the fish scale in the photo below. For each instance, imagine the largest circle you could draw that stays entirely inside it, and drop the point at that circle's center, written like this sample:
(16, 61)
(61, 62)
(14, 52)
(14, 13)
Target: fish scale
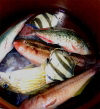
(66, 38)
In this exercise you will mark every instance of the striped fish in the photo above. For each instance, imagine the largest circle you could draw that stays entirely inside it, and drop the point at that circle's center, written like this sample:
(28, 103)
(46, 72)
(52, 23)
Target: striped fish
(60, 66)
(45, 20)
(60, 93)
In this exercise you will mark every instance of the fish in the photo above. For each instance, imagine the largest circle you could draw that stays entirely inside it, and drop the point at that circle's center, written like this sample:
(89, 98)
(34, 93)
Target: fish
(60, 66)
(30, 46)
(7, 38)
(43, 20)
(31, 79)
(60, 93)
(83, 61)
(34, 51)
(23, 81)
(66, 38)
(5, 105)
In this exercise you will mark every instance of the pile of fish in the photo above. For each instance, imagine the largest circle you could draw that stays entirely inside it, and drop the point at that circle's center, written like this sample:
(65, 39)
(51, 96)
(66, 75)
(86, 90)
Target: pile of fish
(49, 55)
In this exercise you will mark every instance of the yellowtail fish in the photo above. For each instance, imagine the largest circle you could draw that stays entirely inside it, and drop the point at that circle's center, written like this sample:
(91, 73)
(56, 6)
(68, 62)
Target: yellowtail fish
(7, 38)
(60, 66)
(23, 81)
(60, 93)
(66, 38)
(5, 105)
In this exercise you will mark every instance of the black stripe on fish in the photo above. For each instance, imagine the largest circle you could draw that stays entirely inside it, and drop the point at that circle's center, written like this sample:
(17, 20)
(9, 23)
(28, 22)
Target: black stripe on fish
(34, 23)
(72, 64)
(57, 71)
(47, 18)
(31, 22)
(38, 45)
(38, 21)
(54, 80)
(64, 64)
(70, 61)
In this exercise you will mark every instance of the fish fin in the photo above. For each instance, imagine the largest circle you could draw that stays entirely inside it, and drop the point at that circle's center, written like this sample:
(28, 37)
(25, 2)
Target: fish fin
(29, 66)
(82, 88)
(43, 66)
(49, 104)
(39, 90)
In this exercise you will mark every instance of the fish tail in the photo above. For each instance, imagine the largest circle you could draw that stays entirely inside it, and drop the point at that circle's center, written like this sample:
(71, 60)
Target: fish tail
(82, 60)
(27, 31)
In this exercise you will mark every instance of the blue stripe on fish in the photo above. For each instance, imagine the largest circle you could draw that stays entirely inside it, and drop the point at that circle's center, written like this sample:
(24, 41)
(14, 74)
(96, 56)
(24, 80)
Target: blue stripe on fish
(33, 26)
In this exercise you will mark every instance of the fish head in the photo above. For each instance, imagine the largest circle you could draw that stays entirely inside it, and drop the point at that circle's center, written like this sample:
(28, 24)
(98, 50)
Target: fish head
(86, 50)
(19, 45)
(83, 50)
(80, 47)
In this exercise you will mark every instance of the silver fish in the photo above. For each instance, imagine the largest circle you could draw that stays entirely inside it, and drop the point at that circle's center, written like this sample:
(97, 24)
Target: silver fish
(66, 38)
(7, 38)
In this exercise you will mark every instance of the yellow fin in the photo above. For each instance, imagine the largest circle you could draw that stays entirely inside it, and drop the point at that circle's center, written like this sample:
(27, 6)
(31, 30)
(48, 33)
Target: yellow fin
(82, 88)
(29, 66)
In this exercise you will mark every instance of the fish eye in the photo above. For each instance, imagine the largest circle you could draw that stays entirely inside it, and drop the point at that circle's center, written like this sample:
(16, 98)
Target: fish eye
(5, 86)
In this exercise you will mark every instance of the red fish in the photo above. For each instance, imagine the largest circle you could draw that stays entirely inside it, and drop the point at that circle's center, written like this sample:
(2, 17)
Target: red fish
(65, 38)
(37, 52)
(34, 51)
(59, 93)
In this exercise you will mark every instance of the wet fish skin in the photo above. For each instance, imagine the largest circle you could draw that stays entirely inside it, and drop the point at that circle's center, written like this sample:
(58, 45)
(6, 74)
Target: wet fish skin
(60, 66)
(43, 52)
(66, 38)
(58, 94)
(83, 60)
(34, 51)
(7, 38)
(44, 20)
(23, 81)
